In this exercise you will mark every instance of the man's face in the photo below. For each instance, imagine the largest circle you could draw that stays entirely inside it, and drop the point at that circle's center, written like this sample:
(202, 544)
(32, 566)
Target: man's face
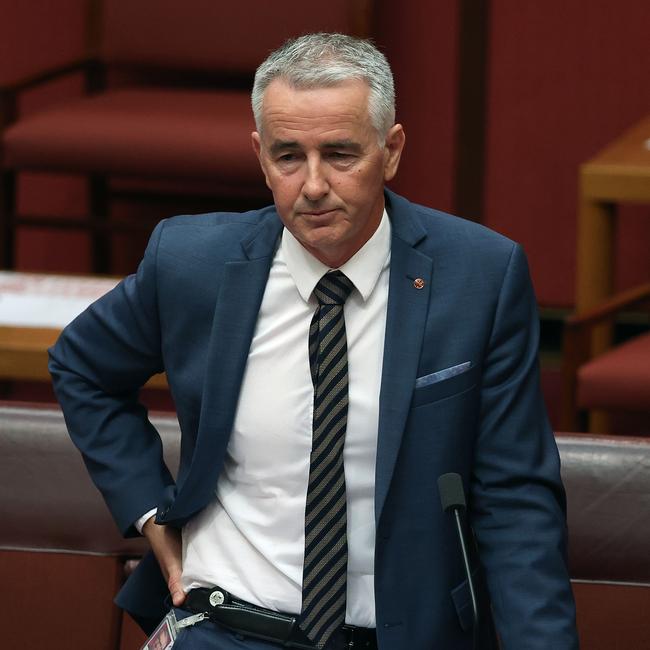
(321, 158)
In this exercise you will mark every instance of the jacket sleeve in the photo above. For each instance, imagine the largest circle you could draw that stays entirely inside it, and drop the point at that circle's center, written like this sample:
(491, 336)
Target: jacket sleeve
(98, 365)
(517, 498)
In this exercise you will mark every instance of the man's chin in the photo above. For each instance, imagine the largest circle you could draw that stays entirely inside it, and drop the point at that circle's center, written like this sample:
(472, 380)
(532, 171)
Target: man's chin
(321, 238)
(329, 248)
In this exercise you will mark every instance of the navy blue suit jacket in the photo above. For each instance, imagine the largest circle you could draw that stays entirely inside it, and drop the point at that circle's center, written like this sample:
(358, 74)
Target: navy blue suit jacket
(191, 310)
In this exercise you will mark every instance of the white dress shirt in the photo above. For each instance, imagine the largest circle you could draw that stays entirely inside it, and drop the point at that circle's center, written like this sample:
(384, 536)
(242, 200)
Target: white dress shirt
(250, 538)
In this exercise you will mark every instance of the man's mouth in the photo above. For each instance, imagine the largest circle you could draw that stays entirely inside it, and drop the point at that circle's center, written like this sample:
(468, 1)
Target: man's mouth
(317, 213)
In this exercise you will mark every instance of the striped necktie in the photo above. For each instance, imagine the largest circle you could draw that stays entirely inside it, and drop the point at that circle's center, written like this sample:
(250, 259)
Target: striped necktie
(326, 548)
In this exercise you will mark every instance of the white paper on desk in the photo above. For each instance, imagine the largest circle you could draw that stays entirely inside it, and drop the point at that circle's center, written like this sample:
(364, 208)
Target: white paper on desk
(40, 300)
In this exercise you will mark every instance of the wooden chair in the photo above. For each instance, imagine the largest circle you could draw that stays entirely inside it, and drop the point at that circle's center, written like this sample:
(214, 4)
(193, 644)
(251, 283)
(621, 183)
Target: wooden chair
(166, 109)
(615, 380)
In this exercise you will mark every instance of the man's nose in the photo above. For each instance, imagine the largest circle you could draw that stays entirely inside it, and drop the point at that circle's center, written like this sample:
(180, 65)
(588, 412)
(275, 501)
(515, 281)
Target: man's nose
(316, 185)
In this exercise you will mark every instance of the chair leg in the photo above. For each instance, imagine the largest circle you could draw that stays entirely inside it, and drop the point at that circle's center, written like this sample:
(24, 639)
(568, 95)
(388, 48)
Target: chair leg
(570, 417)
(574, 353)
(99, 218)
(600, 422)
(7, 216)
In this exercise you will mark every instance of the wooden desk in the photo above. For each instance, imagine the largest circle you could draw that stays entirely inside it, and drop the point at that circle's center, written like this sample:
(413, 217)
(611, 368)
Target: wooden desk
(620, 173)
(24, 343)
(23, 355)
(23, 352)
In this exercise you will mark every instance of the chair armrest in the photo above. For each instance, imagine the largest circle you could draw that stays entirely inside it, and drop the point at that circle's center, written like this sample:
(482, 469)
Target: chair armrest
(607, 309)
(94, 79)
(50, 74)
(578, 327)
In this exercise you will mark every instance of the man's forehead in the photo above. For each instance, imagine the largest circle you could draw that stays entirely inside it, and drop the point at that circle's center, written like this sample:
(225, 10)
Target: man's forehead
(283, 82)
(352, 93)
(333, 113)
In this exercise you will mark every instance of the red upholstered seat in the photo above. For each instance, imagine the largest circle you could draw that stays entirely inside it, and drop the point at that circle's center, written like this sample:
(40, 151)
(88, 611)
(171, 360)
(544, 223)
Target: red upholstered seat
(144, 132)
(610, 380)
(618, 378)
(167, 107)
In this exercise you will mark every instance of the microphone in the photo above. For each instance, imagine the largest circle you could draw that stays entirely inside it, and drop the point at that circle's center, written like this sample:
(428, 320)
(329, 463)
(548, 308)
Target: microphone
(452, 498)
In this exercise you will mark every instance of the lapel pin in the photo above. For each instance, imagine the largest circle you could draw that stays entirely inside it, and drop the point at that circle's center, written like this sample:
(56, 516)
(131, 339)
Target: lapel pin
(418, 283)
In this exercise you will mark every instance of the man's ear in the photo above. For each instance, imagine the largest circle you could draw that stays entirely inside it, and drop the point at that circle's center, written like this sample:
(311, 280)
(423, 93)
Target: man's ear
(256, 141)
(395, 139)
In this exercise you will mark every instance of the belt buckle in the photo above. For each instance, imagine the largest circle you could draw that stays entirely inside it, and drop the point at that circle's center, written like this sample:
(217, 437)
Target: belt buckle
(349, 631)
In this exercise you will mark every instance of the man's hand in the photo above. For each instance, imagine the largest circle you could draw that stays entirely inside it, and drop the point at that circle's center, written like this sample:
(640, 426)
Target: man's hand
(167, 547)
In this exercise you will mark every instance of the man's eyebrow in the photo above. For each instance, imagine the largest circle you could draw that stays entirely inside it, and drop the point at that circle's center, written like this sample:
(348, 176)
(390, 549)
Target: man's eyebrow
(349, 145)
(292, 145)
(283, 145)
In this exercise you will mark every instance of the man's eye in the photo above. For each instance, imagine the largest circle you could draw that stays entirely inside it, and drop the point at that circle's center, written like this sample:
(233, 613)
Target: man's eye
(287, 157)
(340, 155)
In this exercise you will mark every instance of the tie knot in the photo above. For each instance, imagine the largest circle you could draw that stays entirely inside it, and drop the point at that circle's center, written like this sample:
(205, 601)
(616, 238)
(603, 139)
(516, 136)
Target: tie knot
(333, 288)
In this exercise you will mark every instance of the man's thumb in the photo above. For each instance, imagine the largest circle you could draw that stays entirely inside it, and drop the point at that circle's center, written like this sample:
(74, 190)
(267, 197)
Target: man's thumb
(176, 591)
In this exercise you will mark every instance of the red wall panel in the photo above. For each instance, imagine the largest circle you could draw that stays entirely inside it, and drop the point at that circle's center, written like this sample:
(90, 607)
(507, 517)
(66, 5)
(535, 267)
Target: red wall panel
(420, 39)
(564, 80)
(35, 35)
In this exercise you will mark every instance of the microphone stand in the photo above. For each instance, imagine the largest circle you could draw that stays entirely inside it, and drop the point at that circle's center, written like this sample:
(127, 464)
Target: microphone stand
(452, 497)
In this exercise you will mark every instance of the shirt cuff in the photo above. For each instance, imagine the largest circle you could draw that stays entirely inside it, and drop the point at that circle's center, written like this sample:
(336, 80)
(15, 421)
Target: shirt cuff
(139, 524)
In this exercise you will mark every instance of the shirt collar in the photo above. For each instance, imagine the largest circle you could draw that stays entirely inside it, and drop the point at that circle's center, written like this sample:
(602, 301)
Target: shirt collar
(363, 268)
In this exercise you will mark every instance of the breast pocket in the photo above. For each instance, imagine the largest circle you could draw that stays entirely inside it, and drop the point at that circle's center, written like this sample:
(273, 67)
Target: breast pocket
(446, 388)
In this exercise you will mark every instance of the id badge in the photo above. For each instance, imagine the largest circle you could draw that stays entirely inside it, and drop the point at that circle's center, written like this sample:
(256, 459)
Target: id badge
(164, 635)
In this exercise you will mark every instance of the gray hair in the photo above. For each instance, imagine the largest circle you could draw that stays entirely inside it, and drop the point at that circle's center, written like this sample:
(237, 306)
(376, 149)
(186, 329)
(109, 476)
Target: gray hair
(322, 60)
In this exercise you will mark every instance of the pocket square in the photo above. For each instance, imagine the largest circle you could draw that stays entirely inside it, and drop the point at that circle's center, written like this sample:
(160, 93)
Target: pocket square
(445, 373)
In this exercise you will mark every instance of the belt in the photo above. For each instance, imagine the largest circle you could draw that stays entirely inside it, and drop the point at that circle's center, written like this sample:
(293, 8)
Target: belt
(250, 620)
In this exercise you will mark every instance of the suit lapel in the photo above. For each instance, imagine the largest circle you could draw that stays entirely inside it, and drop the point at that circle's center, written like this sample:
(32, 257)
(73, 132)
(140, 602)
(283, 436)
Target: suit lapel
(406, 317)
(240, 295)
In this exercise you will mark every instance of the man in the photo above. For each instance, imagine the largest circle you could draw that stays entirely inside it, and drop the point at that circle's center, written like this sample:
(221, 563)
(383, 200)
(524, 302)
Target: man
(330, 358)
